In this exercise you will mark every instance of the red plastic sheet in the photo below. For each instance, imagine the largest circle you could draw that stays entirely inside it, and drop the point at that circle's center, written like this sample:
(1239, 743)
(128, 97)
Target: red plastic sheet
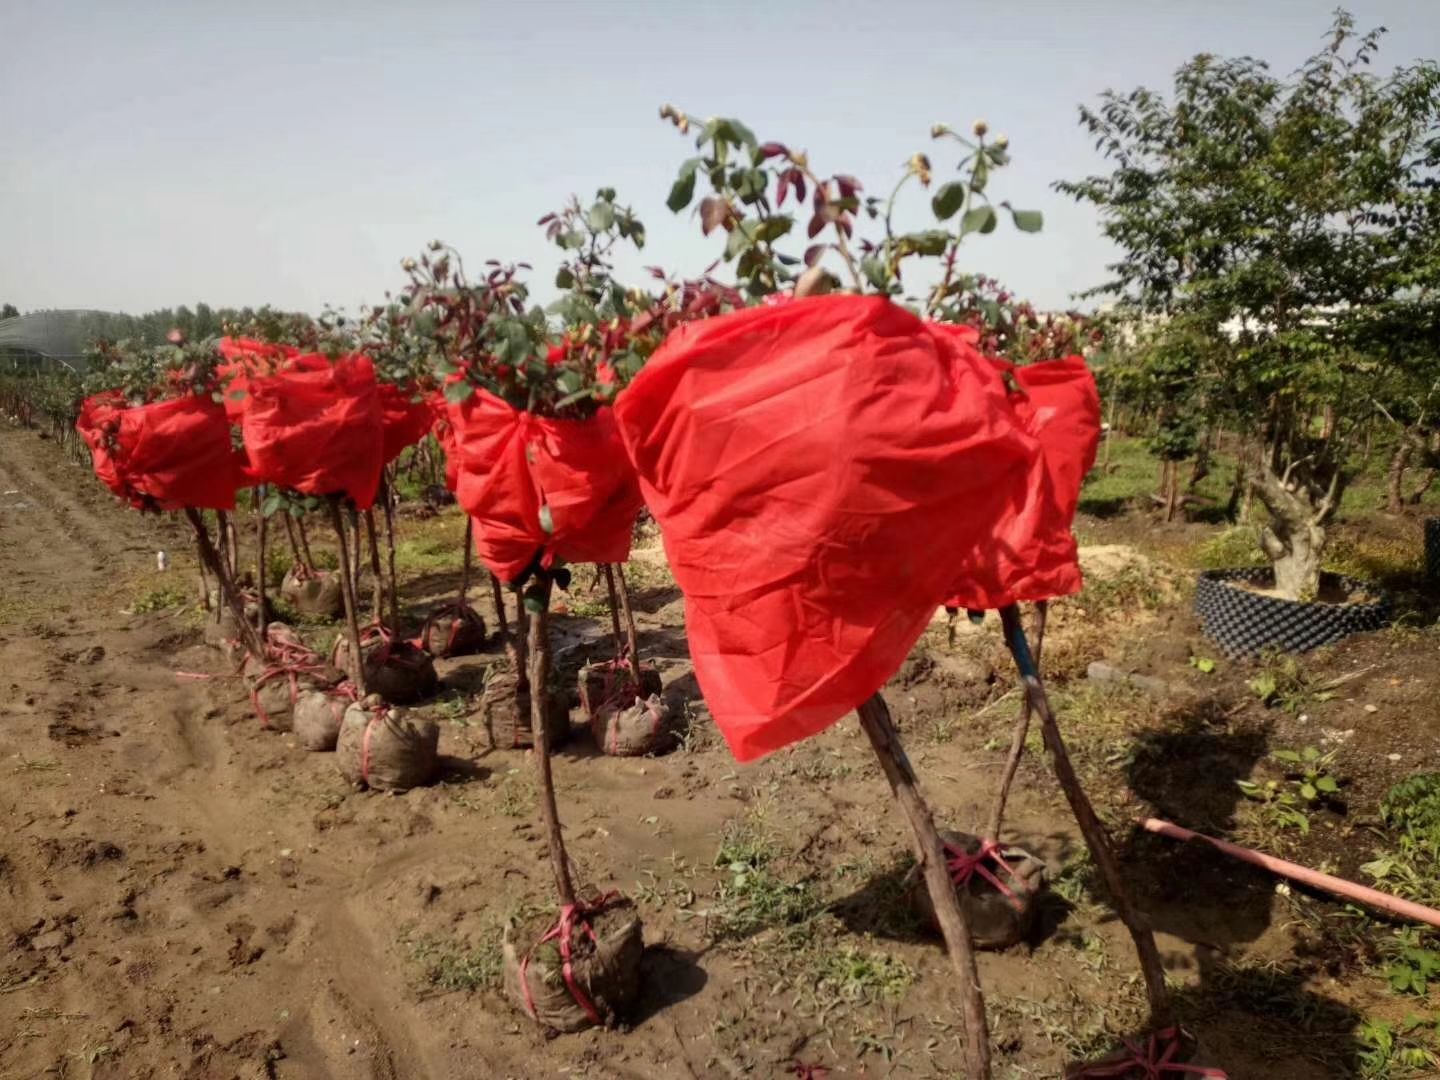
(165, 455)
(445, 433)
(406, 417)
(512, 464)
(818, 469)
(243, 358)
(317, 427)
(1033, 555)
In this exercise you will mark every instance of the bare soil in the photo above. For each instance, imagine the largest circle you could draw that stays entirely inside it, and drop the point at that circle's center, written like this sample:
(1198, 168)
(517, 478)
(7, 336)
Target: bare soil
(184, 894)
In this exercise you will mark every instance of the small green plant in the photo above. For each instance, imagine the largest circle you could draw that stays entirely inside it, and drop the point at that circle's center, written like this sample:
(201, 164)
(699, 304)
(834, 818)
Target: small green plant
(858, 976)
(1279, 805)
(1389, 1050)
(451, 964)
(1282, 683)
(1310, 772)
(752, 897)
(161, 599)
(1412, 967)
(1202, 664)
(1412, 868)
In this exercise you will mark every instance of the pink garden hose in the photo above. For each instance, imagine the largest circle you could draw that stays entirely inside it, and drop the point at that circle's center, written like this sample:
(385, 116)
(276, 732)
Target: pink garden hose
(1373, 898)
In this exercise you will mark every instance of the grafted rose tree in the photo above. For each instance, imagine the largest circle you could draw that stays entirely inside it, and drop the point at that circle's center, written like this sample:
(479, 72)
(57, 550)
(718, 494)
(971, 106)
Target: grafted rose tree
(159, 438)
(978, 490)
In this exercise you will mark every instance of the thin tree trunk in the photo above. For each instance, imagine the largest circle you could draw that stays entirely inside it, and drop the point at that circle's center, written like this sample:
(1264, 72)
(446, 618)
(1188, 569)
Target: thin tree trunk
(204, 583)
(502, 621)
(261, 525)
(465, 569)
(1018, 736)
(347, 590)
(632, 640)
(222, 542)
(1395, 477)
(539, 693)
(378, 592)
(615, 612)
(211, 557)
(930, 853)
(357, 568)
(294, 544)
(305, 544)
(520, 641)
(387, 491)
(1096, 838)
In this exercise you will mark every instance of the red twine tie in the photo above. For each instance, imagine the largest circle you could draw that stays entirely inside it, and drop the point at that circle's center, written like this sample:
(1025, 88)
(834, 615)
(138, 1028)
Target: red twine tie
(378, 714)
(1155, 1060)
(963, 866)
(572, 916)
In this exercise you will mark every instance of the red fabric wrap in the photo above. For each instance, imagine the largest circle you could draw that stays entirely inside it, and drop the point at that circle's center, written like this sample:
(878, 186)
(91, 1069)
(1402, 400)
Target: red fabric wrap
(512, 463)
(1034, 555)
(316, 427)
(245, 357)
(445, 433)
(177, 453)
(406, 419)
(818, 469)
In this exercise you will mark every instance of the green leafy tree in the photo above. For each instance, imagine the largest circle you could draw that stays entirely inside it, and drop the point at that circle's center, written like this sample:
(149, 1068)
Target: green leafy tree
(9, 311)
(1293, 221)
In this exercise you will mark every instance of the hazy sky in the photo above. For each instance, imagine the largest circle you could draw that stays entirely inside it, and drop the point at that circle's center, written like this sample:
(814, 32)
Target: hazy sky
(245, 152)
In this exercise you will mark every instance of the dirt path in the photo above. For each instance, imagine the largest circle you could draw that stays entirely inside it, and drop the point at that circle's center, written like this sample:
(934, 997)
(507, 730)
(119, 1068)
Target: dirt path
(183, 894)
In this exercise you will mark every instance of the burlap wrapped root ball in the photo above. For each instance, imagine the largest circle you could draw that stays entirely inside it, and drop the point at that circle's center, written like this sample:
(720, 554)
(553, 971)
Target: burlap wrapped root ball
(453, 629)
(610, 679)
(221, 631)
(318, 715)
(398, 670)
(604, 981)
(275, 691)
(387, 749)
(635, 729)
(314, 592)
(996, 921)
(504, 713)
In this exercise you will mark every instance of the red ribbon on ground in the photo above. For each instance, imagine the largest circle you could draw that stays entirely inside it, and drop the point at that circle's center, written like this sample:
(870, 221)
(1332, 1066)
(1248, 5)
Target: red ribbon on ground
(1155, 1060)
(572, 916)
(963, 866)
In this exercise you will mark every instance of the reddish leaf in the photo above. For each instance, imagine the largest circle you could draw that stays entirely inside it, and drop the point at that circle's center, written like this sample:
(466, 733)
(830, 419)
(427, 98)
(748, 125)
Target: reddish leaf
(773, 149)
(813, 253)
(848, 186)
(816, 224)
(797, 179)
(713, 213)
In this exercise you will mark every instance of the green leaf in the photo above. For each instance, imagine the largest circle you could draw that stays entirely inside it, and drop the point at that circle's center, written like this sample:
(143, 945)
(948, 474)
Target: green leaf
(1308, 792)
(564, 279)
(773, 228)
(459, 391)
(929, 242)
(948, 200)
(601, 216)
(738, 241)
(875, 272)
(1327, 784)
(1030, 221)
(533, 605)
(978, 219)
(683, 190)
(1204, 664)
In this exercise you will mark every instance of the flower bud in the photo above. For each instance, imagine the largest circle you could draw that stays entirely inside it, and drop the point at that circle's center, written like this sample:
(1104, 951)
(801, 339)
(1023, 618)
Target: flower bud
(408, 265)
(1002, 141)
(980, 127)
(936, 130)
